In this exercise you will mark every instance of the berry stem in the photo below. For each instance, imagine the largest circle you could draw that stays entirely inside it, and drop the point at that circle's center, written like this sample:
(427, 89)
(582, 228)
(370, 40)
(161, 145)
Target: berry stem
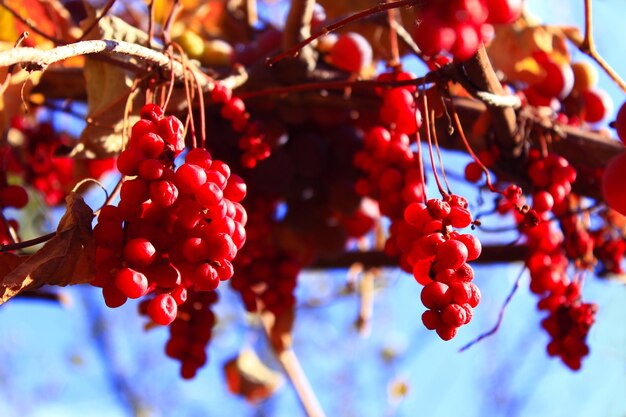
(500, 314)
(27, 243)
(457, 123)
(430, 145)
(434, 133)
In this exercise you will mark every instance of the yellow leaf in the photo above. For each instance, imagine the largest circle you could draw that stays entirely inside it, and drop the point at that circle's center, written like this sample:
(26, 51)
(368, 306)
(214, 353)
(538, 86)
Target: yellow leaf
(513, 51)
(7, 23)
(68, 258)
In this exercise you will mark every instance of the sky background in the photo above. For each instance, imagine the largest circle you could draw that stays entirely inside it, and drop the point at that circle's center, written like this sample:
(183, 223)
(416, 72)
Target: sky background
(86, 360)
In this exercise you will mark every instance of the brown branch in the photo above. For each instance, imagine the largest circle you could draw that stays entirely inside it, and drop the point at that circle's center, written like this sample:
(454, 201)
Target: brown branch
(298, 28)
(38, 59)
(489, 255)
(481, 75)
(290, 363)
(97, 20)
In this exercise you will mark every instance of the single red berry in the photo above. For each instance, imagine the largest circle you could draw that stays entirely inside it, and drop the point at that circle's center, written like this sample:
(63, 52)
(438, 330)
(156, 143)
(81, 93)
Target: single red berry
(152, 112)
(436, 295)
(451, 254)
(162, 309)
(13, 196)
(431, 319)
(473, 245)
(199, 157)
(189, 178)
(131, 283)
(453, 315)
(163, 193)
(139, 252)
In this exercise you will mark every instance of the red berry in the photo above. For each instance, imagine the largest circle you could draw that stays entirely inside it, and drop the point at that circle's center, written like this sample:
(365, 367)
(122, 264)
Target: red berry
(199, 157)
(598, 104)
(189, 178)
(613, 183)
(352, 52)
(473, 172)
(131, 283)
(473, 245)
(436, 295)
(163, 193)
(453, 315)
(431, 319)
(162, 309)
(152, 112)
(172, 130)
(13, 196)
(451, 254)
(139, 252)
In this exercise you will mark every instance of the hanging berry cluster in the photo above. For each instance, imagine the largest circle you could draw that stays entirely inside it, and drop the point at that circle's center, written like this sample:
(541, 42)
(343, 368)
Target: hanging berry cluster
(265, 274)
(437, 255)
(174, 233)
(551, 251)
(191, 331)
(251, 142)
(36, 162)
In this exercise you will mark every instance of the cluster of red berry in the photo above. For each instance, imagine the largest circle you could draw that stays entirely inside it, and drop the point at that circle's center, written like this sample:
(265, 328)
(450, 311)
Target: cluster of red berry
(196, 205)
(568, 325)
(265, 273)
(459, 26)
(552, 249)
(191, 331)
(234, 109)
(437, 255)
(392, 176)
(36, 162)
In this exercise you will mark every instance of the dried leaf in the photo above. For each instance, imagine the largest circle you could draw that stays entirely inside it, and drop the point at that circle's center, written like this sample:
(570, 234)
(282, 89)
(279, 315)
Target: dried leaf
(11, 103)
(66, 259)
(247, 376)
(108, 87)
(513, 51)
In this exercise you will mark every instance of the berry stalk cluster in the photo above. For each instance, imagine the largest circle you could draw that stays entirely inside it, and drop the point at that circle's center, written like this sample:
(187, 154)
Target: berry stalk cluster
(174, 233)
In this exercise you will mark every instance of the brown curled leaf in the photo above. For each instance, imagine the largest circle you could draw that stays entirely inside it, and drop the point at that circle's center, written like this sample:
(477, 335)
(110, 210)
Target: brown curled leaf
(66, 259)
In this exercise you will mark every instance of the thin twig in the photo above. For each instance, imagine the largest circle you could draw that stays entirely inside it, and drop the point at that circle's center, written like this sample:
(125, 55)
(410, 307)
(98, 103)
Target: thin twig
(500, 314)
(97, 20)
(588, 46)
(291, 52)
(27, 243)
(393, 36)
